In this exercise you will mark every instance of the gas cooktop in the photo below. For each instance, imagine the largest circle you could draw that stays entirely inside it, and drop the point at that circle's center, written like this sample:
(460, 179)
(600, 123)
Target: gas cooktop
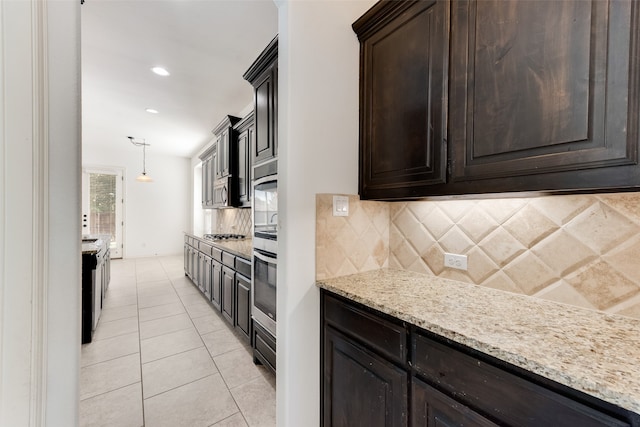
(224, 236)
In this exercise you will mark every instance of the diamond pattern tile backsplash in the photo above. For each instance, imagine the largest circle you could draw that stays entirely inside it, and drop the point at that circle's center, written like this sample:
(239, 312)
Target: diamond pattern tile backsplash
(581, 250)
(231, 221)
(351, 244)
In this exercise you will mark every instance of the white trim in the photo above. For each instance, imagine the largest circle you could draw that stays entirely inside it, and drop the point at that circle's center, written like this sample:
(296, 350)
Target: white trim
(39, 220)
(3, 192)
(40, 170)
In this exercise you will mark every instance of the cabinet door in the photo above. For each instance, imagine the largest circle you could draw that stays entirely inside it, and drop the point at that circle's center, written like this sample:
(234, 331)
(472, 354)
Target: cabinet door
(360, 388)
(220, 154)
(403, 97)
(243, 305)
(205, 181)
(193, 265)
(245, 139)
(431, 408)
(200, 261)
(211, 174)
(545, 90)
(216, 284)
(208, 178)
(186, 260)
(225, 159)
(266, 116)
(228, 285)
(208, 277)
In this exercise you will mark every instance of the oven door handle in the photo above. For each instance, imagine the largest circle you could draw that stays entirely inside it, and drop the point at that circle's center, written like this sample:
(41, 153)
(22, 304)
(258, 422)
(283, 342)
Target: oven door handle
(264, 179)
(260, 255)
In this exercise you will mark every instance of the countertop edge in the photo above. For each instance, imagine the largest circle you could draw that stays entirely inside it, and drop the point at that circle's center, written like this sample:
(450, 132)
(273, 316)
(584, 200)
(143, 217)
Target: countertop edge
(224, 246)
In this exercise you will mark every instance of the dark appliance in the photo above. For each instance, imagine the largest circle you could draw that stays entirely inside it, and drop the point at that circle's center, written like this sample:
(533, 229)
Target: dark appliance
(96, 265)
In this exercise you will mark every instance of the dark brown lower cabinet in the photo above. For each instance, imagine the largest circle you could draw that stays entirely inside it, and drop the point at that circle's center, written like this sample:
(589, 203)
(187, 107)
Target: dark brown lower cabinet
(224, 280)
(228, 296)
(206, 276)
(216, 284)
(243, 305)
(264, 347)
(370, 379)
(432, 408)
(361, 388)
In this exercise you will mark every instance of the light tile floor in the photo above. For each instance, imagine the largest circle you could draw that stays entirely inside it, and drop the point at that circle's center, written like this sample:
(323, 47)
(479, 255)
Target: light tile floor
(162, 356)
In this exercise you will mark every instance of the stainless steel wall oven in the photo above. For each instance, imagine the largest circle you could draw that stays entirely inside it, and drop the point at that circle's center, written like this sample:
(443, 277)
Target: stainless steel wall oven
(265, 252)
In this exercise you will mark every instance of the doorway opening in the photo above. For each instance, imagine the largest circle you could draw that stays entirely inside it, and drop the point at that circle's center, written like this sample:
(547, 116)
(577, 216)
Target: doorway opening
(103, 205)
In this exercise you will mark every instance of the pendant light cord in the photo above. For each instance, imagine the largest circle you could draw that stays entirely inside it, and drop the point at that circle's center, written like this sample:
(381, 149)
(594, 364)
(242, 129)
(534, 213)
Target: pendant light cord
(144, 153)
(144, 158)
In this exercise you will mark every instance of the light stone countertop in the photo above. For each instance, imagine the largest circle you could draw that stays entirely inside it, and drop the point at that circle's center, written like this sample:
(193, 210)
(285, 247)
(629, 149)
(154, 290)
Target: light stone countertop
(242, 248)
(590, 351)
(92, 248)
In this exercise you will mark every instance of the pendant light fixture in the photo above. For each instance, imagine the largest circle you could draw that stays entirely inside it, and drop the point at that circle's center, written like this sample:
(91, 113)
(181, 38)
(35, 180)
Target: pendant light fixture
(143, 177)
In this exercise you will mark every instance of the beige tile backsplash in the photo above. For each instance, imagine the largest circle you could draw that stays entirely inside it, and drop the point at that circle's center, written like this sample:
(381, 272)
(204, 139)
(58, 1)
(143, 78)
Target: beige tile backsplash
(581, 250)
(231, 221)
(355, 243)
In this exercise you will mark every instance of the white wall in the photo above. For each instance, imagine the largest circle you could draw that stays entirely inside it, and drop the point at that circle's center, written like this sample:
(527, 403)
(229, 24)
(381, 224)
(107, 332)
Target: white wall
(158, 213)
(318, 152)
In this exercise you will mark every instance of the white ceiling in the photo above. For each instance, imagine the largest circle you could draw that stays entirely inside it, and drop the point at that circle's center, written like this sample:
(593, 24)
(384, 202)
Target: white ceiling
(206, 45)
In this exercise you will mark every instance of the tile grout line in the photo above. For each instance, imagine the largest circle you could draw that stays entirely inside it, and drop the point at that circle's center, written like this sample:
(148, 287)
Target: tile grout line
(182, 352)
(114, 336)
(110, 391)
(182, 385)
(224, 326)
(139, 348)
(213, 360)
(109, 360)
(224, 419)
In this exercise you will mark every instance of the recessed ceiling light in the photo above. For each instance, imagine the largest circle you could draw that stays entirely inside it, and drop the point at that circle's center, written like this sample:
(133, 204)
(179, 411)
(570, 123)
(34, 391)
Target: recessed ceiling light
(160, 71)
(151, 110)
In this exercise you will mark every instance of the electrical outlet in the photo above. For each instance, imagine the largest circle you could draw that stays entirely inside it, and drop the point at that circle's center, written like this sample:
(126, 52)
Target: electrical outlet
(455, 261)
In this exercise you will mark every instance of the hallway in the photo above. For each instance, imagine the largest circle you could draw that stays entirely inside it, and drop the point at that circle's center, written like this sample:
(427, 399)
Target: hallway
(162, 356)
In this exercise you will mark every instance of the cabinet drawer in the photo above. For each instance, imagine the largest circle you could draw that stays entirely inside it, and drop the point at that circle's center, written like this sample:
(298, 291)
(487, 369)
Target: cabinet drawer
(229, 260)
(381, 335)
(243, 266)
(500, 395)
(205, 248)
(264, 346)
(216, 254)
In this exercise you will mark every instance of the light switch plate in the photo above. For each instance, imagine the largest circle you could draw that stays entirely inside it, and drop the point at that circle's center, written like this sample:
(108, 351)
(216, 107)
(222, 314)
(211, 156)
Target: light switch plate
(340, 205)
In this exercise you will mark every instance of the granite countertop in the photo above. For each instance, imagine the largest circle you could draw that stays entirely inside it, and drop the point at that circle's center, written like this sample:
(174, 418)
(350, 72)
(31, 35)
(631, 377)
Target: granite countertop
(242, 248)
(593, 352)
(92, 248)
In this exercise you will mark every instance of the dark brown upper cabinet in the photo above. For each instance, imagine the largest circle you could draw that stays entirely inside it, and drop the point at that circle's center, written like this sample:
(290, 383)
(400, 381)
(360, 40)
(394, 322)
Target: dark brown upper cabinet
(225, 188)
(226, 147)
(209, 160)
(403, 97)
(542, 88)
(245, 129)
(263, 76)
(541, 96)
